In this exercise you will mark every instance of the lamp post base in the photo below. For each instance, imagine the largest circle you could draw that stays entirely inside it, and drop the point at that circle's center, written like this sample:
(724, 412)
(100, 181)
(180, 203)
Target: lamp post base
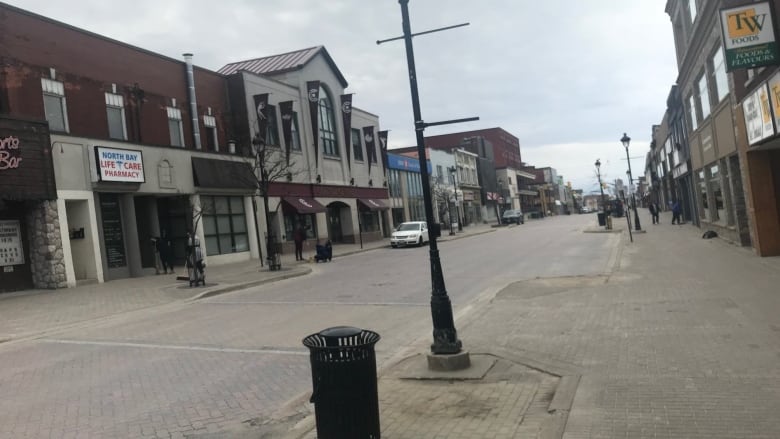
(450, 362)
(445, 341)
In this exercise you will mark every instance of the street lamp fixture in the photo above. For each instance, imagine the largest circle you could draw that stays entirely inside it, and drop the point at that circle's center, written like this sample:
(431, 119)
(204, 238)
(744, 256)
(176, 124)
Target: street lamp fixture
(625, 140)
(454, 172)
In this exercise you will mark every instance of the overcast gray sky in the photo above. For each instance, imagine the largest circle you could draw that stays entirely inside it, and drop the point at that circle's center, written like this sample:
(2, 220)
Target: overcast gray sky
(566, 77)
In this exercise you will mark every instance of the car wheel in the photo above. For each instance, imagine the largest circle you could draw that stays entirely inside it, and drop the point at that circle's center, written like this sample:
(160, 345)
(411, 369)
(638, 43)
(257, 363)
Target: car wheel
(393, 245)
(420, 242)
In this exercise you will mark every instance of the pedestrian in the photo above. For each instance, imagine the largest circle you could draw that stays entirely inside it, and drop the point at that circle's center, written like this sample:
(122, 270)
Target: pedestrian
(676, 212)
(655, 211)
(299, 236)
(165, 249)
(156, 249)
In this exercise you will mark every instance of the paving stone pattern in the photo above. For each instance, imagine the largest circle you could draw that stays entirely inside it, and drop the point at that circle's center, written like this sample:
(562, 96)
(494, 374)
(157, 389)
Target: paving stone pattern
(168, 394)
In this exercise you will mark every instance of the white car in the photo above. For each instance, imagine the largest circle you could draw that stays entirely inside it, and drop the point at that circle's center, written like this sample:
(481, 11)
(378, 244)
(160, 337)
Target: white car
(411, 233)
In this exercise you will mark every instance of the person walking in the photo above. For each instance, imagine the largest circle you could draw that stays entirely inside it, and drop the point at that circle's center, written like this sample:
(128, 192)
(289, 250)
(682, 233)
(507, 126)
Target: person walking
(676, 212)
(299, 236)
(165, 249)
(653, 212)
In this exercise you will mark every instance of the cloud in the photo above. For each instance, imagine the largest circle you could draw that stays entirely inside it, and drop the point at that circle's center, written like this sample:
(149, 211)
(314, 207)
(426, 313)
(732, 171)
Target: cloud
(556, 74)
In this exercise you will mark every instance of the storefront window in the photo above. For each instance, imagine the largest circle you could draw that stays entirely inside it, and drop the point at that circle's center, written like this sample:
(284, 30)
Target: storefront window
(369, 221)
(291, 222)
(717, 194)
(704, 206)
(224, 225)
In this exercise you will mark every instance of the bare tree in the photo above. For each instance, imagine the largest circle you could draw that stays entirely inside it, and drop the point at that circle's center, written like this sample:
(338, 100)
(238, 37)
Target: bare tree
(269, 163)
(440, 194)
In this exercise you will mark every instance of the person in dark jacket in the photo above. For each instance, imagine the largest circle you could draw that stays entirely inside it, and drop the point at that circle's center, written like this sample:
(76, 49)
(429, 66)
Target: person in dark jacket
(165, 249)
(676, 213)
(299, 236)
(653, 207)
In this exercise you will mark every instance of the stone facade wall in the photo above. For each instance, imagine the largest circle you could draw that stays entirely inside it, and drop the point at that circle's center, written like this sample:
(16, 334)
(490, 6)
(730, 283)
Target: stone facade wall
(46, 255)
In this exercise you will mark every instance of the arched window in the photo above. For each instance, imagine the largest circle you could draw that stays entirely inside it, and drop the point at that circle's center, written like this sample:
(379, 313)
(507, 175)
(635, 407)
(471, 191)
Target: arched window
(327, 125)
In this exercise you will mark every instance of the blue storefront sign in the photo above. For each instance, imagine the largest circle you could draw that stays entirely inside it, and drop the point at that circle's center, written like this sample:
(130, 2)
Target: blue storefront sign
(404, 163)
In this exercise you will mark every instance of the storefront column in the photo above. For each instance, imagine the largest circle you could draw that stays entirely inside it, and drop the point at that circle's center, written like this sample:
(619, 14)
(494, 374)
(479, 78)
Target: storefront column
(251, 228)
(46, 255)
(70, 274)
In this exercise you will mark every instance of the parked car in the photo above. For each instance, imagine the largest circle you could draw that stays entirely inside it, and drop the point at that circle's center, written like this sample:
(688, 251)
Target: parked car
(410, 233)
(585, 209)
(512, 216)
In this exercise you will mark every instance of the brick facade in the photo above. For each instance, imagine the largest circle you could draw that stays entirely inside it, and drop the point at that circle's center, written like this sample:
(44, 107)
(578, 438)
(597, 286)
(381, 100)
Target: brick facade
(88, 64)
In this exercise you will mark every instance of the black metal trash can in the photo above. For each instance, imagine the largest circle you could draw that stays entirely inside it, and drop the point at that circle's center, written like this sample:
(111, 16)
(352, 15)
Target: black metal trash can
(343, 374)
(602, 219)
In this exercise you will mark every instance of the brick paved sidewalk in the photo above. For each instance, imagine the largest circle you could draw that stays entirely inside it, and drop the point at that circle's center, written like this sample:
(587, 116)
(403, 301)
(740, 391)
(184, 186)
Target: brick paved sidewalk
(680, 340)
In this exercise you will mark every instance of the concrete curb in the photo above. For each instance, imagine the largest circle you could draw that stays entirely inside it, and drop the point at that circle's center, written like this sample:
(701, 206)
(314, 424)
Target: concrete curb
(228, 288)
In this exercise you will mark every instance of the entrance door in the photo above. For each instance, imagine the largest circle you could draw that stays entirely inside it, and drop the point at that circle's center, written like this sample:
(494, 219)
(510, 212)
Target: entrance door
(175, 218)
(335, 233)
(148, 228)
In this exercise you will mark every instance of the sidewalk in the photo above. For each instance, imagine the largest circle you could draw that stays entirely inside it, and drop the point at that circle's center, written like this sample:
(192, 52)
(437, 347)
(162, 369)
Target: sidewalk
(34, 313)
(680, 340)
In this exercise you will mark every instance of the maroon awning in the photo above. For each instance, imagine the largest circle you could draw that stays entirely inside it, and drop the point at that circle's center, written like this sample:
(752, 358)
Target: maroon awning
(372, 204)
(304, 204)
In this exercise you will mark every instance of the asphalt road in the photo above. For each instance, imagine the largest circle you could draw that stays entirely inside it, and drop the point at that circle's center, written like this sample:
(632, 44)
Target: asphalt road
(207, 367)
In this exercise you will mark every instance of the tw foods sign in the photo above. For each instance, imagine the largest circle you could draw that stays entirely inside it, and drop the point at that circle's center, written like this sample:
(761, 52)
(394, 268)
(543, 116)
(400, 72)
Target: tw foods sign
(749, 36)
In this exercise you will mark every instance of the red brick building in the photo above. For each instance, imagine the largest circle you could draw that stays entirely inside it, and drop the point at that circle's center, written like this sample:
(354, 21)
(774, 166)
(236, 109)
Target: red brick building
(126, 136)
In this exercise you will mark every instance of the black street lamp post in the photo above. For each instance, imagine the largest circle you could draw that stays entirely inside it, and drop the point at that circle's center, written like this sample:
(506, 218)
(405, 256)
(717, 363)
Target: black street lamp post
(445, 336)
(601, 188)
(454, 171)
(626, 140)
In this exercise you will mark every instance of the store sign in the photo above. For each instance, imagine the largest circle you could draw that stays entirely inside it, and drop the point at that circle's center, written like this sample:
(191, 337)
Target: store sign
(121, 165)
(11, 250)
(774, 97)
(10, 155)
(758, 115)
(749, 36)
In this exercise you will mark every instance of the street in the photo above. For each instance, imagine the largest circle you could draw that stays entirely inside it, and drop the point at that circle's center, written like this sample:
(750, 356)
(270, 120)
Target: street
(208, 366)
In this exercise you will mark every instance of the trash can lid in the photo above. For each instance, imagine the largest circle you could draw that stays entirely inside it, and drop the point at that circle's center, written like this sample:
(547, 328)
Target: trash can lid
(340, 331)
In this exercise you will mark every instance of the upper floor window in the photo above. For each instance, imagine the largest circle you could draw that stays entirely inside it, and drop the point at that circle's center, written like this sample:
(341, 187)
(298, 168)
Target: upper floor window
(327, 125)
(115, 112)
(719, 74)
(175, 126)
(439, 174)
(692, 112)
(692, 9)
(272, 129)
(704, 96)
(395, 183)
(296, 137)
(54, 104)
(357, 147)
(212, 140)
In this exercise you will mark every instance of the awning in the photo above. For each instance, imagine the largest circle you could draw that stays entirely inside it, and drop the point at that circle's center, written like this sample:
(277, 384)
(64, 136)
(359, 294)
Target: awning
(304, 204)
(223, 174)
(372, 204)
